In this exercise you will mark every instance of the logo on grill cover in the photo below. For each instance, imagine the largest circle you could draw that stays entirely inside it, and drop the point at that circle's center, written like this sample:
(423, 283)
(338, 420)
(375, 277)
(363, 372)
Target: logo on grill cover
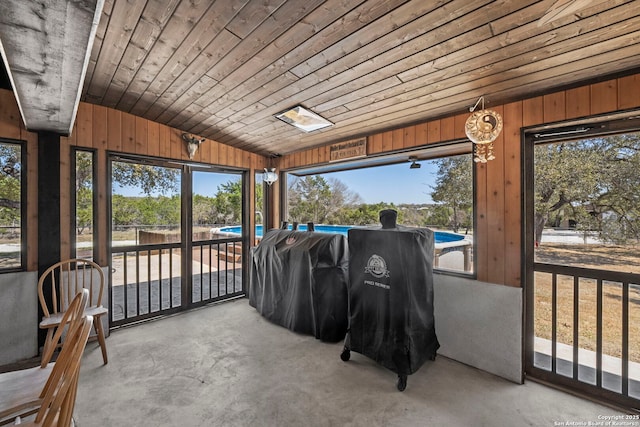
(377, 266)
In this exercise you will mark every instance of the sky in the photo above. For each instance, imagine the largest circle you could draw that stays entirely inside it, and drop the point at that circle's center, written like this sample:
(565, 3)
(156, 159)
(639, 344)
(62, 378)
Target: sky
(391, 184)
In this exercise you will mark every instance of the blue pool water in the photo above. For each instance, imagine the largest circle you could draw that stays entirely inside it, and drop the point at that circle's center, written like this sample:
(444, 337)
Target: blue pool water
(440, 236)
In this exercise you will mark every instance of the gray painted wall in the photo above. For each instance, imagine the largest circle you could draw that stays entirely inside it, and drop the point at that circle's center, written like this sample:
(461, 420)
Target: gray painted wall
(480, 324)
(18, 316)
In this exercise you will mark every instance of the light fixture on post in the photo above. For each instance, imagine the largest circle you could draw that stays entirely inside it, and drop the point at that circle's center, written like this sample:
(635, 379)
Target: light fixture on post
(192, 144)
(482, 128)
(414, 164)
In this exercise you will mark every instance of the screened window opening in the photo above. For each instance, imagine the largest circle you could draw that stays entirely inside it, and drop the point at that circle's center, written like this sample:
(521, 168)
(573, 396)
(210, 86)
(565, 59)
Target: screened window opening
(436, 193)
(11, 205)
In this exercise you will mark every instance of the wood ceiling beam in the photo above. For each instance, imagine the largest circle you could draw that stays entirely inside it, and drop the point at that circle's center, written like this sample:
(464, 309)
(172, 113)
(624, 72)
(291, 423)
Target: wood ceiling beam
(46, 45)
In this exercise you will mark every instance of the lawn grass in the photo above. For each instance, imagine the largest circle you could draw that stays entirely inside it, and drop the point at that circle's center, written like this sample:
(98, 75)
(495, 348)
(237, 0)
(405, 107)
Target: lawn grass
(607, 257)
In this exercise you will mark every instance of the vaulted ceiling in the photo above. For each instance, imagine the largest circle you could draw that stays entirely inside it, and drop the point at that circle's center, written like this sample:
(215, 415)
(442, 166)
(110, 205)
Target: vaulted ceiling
(222, 69)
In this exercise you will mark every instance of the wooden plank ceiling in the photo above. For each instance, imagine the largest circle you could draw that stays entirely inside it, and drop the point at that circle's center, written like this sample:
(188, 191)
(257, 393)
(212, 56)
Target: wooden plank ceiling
(222, 69)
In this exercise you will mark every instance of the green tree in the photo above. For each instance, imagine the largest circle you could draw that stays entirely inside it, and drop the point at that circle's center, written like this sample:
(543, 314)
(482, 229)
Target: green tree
(125, 211)
(84, 191)
(566, 174)
(593, 182)
(309, 198)
(150, 179)
(204, 211)
(618, 202)
(365, 214)
(228, 203)
(318, 200)
(454, 189)
(10, 181)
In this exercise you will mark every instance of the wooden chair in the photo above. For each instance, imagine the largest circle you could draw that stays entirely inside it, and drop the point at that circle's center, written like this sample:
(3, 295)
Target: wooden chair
(59, 400)
(21, 392)
(63, 280)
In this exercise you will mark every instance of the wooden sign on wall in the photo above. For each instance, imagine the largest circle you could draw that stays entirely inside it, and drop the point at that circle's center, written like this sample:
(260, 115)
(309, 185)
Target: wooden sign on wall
(348, 150)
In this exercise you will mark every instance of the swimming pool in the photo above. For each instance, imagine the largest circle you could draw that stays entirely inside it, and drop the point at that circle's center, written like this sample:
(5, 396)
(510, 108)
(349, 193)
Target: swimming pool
(439, 236)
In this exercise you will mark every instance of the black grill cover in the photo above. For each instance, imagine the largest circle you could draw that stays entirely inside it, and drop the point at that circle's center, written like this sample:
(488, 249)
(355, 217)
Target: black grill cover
(299, 281)
(391, 296)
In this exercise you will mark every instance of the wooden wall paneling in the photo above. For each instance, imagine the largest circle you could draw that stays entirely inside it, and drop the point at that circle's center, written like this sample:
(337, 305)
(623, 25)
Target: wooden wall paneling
(532, 111)
(65, 195)
(114, 130)
(99, 134)
(315, 156)
(409, 137)
(459, 126)
(128, 132)
(496, 211)
(222, 154)
(512, 194)
(164, 141)
(72, 138)
(281, 163)
(374, 144)
(10, 119)
(481, 236)
(274, 204)
(84, 129)
(176, 144)
(421, 134)
(629, 92)
(326, 153)
(153, 139)
(433, 132)
(214, 149)
(447, 128)
(604, 97)
(309, 157)
(554, 107)
(387, 141)
(250, 162)
(141, 135)
(397, 139)
(239, 158)
(32, 198)
(577, 102)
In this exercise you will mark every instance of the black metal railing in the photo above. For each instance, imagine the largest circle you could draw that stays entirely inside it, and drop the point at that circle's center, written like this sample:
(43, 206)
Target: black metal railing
(145, 281)
(589, 344)
(148, 281)
(217, 270)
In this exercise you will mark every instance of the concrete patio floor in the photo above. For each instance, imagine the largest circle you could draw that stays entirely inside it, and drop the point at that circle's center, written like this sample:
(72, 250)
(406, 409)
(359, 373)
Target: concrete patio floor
(225, 365)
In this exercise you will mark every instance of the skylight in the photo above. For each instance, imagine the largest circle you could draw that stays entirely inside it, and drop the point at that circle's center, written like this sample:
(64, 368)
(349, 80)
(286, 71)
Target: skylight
(303, 119)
